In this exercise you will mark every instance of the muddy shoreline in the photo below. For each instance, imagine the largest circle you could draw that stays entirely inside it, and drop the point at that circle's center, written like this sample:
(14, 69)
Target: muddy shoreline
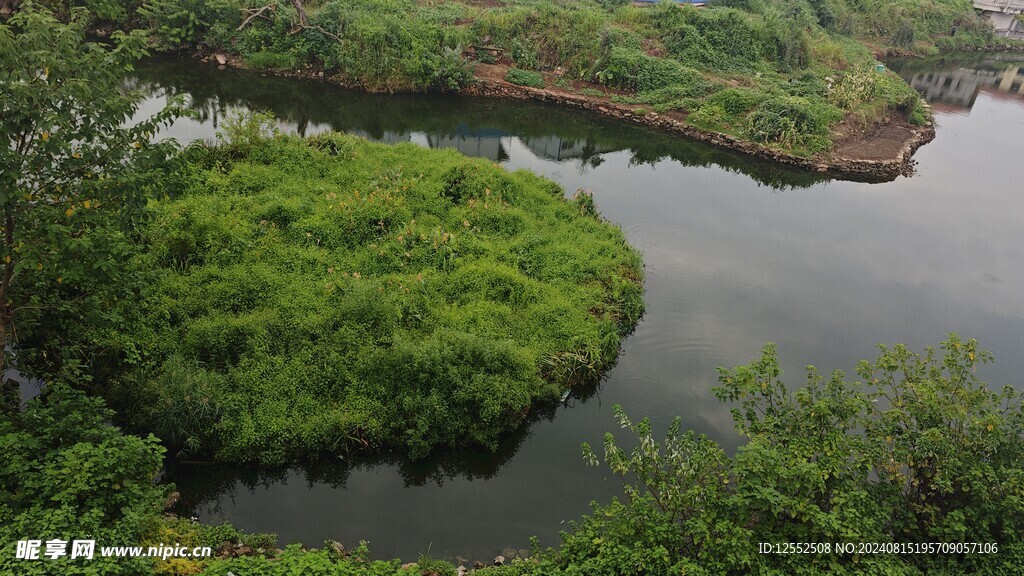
(895, 162)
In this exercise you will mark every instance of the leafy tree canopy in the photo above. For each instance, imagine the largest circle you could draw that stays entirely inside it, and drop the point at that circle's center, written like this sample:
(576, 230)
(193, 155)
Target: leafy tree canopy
(74, 177)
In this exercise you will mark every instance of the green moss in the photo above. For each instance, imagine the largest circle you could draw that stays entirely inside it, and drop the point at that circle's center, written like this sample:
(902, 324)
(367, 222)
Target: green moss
(322, 295)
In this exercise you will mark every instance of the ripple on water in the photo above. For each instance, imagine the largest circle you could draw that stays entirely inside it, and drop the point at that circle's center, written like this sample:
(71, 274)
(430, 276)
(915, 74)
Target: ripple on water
(670, 255)
(656, 242)
(688, 294)
(661, 392)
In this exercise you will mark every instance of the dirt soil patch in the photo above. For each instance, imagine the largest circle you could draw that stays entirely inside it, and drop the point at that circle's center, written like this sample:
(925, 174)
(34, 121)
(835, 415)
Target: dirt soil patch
(490, 72)
(882, 142)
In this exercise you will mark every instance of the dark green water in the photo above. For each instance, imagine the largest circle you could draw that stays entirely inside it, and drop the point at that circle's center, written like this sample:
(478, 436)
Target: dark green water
(738, 253)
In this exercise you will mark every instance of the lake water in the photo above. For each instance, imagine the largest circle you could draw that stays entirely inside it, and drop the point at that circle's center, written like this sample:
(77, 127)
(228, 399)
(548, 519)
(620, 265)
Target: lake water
(738, 253)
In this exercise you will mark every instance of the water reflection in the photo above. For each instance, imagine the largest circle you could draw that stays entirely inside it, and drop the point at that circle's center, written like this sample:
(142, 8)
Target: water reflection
(737, 253)
(475, 127)
(952, 84)
(28, 388)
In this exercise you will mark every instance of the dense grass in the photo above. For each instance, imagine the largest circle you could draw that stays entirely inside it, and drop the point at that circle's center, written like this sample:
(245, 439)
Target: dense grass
(317, 296)
(524, 78)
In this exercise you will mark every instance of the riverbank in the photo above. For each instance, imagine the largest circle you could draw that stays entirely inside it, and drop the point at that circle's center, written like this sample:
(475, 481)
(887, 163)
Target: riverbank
(797, 85)
(878, 153)
(882, 152)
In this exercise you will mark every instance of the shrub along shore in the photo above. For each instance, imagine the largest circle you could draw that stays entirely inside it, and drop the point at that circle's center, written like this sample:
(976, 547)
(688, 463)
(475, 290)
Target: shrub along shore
(792, 81)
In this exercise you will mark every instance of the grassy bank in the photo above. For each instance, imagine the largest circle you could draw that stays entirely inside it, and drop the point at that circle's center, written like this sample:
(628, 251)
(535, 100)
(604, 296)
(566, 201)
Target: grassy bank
(778, 72)
(332, 294)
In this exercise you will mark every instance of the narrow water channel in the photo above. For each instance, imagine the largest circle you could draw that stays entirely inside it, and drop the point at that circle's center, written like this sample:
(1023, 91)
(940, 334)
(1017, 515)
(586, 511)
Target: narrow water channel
(738, 253)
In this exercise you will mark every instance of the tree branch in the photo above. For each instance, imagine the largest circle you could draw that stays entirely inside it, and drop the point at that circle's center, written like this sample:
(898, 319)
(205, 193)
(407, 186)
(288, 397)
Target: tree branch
(255, 13)
(303, 20)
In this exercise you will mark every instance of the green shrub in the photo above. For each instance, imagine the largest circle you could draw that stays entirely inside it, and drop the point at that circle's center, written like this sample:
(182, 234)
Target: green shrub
(524, 54)
(524, 78)
(904, 36)
(634, 70)
(891, 88)
(103, 11)
(723, 39)
(67, 473)
(918, 451)
(793, 121)
(178, 24)
(709, 116)
(242, 132)
(546, 34)
(852, 89)
(789, 48)
(181, 405)
(737, 101)
(616, 37)
(446, 71)
(486, 57)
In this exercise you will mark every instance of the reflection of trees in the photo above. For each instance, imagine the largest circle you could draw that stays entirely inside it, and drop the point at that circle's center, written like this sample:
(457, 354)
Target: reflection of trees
(206, 485)
(304, 103)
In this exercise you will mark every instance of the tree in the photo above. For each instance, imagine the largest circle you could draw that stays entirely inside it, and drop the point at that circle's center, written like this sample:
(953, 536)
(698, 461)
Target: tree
(75, 172)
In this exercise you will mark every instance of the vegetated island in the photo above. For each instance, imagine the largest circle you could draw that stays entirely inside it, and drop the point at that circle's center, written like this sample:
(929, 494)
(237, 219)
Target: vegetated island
(796, 82)
(324, 295)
